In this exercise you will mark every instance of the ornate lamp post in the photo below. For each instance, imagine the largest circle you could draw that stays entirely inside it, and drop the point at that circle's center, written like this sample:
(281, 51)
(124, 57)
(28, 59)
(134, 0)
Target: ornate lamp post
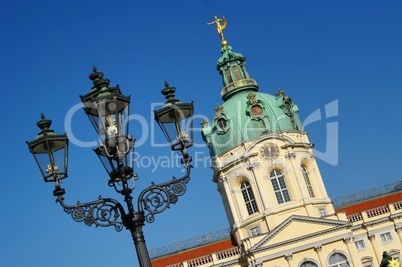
(108, 110)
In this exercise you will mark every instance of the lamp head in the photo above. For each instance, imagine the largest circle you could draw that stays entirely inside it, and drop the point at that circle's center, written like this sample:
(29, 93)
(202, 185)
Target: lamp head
(50, 151)
(176, 120)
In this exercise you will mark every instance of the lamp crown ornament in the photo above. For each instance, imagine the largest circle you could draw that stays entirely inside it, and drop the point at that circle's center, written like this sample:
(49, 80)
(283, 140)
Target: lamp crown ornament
(97, 78)
(44, 124)
(169, 92)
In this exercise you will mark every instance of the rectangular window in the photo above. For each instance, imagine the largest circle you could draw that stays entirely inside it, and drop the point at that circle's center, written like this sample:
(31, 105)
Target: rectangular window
(386, 237)
(322, 212)
(360, 244)
(254, 231)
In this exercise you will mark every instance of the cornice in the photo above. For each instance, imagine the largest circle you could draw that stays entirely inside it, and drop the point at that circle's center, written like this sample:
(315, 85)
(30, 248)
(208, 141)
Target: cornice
(338, 225)
(227, 263)
(376, 222)
(366, 225)
(396, 216)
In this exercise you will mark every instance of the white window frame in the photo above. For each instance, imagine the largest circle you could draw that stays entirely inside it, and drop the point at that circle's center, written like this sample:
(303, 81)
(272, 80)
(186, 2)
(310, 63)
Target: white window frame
(279, 186)
(388, 237)
(367, 261)
(322, 211)
(360, 244)
(309, 263)
(254, 231)
(343, 262)
(395, 253)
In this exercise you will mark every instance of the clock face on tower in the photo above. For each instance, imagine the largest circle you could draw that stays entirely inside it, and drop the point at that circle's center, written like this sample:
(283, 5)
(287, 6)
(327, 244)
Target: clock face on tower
(269, 151)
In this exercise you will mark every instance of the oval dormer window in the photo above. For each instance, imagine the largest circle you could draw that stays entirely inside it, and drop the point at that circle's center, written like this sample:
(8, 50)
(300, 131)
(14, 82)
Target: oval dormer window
(221, 123)
(256, 111)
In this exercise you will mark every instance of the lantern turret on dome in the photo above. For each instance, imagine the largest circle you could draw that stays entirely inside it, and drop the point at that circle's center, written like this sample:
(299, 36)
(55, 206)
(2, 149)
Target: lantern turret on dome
(246, 113)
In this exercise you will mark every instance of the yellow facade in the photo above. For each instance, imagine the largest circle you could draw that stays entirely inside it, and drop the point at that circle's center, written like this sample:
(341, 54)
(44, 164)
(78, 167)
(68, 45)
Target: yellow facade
(304, 230)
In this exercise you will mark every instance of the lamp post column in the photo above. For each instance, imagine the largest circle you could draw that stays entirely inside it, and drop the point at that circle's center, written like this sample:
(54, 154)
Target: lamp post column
(139, 240)
(134, 221)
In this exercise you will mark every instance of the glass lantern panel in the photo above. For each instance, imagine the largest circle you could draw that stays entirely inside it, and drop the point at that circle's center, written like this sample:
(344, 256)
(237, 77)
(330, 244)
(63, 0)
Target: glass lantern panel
(98, 124)
(116, 147)
(171, 133)
(186, 126)
(109, 117)
(60, 162)
(108, 163)
(43, 160)
(51, 157)
(176, 123)
(111, 165)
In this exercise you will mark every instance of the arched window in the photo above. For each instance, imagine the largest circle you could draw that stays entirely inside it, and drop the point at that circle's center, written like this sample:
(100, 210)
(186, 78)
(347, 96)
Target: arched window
(308, 264)
(228, 76)
(236, 73)
(338, 260)
(279, 185)
(248, 196)
(307, 181)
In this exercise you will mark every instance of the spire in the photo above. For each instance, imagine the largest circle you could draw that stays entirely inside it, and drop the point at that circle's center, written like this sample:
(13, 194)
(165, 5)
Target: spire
(231, 66)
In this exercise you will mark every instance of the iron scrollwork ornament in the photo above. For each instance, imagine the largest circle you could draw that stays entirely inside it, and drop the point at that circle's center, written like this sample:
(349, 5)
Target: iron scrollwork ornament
(103, 212)
(157, 198)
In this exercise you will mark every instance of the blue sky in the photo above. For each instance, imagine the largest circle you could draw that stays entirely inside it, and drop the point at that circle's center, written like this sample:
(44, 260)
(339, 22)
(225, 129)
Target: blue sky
(343, 56)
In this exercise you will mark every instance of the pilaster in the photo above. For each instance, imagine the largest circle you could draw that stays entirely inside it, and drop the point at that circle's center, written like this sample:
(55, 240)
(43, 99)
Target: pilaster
(354, 257)
(318, 250)
(289, 259)
(375, 246)
(251, 167)
(398, 230)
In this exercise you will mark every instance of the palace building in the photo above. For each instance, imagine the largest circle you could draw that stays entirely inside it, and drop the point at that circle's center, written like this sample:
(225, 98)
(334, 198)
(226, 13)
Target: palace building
(275, 199)
(380, 206)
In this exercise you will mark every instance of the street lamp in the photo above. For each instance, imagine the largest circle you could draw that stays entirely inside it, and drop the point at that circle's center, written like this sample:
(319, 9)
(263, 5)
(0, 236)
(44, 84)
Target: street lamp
(108, 110)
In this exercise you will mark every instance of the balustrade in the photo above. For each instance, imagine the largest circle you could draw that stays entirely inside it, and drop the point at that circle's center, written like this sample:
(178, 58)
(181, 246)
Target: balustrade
(200, 261)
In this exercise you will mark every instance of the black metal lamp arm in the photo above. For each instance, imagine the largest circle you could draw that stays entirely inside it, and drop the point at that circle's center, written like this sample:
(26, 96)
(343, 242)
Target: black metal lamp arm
(103, 212)
(158, 197)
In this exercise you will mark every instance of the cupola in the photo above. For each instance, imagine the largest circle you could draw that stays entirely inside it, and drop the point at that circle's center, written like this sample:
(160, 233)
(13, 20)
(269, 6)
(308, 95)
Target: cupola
(246, 113)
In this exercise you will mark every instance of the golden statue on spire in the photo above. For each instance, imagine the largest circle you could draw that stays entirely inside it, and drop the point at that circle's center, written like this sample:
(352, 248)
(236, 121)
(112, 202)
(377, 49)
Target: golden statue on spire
(219, 27)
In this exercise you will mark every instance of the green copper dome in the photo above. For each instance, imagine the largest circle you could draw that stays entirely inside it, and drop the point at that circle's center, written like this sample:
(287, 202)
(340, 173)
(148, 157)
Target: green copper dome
(246, 114)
